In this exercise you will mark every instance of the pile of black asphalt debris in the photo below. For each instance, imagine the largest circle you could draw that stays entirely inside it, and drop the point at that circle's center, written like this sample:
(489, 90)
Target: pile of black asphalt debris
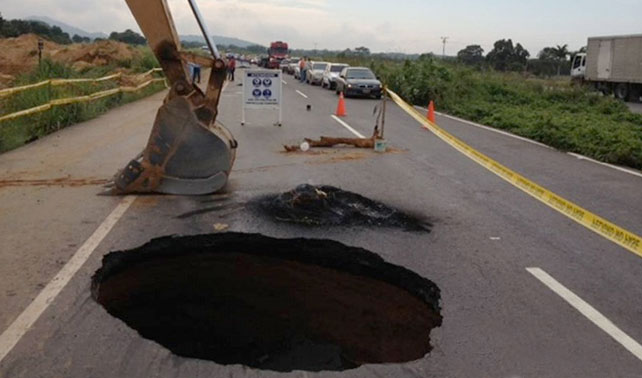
(325, 205)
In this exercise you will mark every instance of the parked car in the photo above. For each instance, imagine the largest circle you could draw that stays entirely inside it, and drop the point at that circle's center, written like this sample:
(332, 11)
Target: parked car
(315, 72)
(285, 63)
(297, 73)
(331, 74)
(294, 62)
(358, 81)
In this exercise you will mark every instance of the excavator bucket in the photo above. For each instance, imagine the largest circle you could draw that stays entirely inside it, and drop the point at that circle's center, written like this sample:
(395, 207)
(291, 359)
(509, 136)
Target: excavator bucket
(181, 157)
(188, 152)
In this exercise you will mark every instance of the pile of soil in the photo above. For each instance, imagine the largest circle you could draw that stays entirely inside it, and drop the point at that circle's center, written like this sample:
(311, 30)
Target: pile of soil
(20, 54)
(329, 206)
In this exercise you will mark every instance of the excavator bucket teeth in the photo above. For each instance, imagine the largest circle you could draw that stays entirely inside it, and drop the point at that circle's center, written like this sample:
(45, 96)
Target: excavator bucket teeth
(183, 156)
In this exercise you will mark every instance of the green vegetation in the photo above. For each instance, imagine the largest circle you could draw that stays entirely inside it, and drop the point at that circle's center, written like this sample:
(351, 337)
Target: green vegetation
(16, 132)
(15, 28)
(553, 112)
(128, 36)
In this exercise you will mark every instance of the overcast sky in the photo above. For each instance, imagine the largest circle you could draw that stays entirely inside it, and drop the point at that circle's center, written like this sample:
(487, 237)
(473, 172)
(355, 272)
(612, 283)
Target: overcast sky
(411, 26)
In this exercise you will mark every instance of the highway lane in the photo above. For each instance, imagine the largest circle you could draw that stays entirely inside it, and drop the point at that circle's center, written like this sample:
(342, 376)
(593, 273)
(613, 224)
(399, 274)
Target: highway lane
(498, 319)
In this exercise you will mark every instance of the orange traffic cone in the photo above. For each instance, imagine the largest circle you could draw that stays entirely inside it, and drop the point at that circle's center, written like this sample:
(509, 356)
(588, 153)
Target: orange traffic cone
(431, 112)
(341, 107)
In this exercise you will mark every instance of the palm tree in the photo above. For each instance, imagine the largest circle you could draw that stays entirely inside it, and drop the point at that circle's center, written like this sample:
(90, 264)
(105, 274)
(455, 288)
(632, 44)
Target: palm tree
(560, 52)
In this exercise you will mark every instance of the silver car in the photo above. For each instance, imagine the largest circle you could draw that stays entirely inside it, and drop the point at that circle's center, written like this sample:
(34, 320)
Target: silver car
(315, 72)
(331, 74)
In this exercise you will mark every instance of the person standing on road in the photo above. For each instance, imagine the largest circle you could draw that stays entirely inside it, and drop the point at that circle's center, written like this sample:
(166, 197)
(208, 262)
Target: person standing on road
(231, 67)
(302, 69)
(196, 73)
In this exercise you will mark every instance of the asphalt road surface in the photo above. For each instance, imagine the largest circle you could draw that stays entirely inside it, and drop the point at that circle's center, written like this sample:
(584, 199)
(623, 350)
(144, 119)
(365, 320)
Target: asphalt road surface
(499, 319)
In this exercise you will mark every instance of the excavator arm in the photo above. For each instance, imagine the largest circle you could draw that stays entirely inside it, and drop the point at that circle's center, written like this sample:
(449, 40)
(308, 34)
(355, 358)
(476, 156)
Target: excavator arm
(188, 152)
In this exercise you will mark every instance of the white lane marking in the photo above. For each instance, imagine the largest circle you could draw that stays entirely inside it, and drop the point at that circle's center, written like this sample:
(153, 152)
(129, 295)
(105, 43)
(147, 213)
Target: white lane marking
(498, 131)
(30, 315)
(581, 157)
(284, 82)
(355, 132)
(301, 93)
(587, 310)
(621, 169)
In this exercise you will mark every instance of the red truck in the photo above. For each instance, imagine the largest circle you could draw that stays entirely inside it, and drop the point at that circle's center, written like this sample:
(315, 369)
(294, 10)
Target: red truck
(277, 52)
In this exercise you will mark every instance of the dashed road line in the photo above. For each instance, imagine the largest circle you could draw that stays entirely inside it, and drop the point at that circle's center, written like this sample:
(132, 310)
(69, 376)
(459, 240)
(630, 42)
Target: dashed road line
(284, 82)
(301, 93)
(589, 312)
(21, 325)
(342, 123)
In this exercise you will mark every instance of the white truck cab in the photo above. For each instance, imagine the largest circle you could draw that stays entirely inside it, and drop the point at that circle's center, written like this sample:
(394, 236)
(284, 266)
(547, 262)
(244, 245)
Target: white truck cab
(578, 67)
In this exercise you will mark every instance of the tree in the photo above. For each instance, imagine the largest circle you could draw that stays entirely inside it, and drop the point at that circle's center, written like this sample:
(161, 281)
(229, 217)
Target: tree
(472, 55)
(556, 55)
(362, 50)
(78, 39)
(128, 36)
(508, 57)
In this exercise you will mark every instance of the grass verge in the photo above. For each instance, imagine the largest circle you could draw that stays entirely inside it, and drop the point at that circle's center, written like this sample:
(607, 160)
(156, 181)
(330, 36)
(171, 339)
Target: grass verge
(552, 112)
(17, 132)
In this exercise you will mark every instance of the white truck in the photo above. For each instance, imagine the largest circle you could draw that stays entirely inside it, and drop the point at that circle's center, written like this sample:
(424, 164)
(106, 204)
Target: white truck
(612, 65)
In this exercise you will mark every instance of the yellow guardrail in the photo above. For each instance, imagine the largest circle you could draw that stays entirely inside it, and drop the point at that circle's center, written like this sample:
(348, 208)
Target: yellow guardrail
(72, 100)
(593, 222)
(56, 82)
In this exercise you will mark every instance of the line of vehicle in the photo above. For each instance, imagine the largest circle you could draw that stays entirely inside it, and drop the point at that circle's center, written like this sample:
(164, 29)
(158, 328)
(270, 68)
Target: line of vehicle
(302, 94)
(588, 311)
(21, 325)
(344, 124)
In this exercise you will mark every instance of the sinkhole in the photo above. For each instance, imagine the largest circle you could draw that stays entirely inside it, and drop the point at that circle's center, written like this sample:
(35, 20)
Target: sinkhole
(272, 304)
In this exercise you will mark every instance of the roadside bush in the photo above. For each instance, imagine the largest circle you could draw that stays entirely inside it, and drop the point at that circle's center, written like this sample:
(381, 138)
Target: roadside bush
(550, 111)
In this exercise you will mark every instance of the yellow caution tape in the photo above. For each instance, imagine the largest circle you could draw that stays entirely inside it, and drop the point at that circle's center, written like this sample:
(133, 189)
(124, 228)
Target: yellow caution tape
(72, 100)
(595, 223)
(56, 82)
(25, 112)
(9, 91)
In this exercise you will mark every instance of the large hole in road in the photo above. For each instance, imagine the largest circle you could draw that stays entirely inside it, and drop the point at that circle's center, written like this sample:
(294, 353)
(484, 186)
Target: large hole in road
(273, 304)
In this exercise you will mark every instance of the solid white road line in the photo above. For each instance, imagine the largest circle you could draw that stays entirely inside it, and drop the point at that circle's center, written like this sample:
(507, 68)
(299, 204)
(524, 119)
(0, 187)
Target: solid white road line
(30, 315)
(621, 169)
(587, 310)
(498, 131)
(301, 93)
(581, 157)
(355, 132)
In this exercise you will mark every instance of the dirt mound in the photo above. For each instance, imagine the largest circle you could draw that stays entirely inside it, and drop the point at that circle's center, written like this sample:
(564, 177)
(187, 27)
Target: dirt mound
(20, 54)
(97, 54)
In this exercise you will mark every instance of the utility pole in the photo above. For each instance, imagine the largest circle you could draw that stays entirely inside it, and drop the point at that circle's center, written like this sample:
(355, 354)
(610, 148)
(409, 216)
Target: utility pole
(444, 40)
